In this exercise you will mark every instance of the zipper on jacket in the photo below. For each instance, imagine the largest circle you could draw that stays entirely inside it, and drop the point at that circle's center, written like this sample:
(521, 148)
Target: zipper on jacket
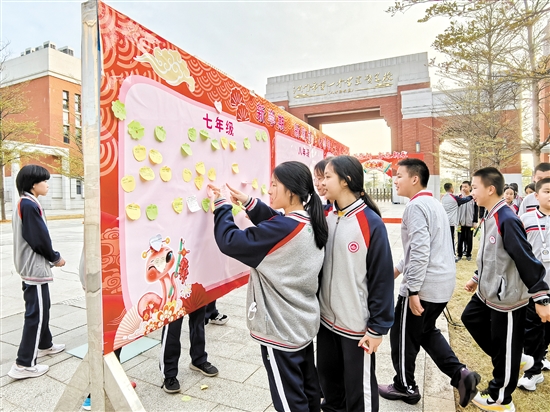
(332, 273)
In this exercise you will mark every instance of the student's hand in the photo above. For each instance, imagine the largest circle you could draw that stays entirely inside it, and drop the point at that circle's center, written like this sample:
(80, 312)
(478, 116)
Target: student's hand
(371, 343)
(60, 263)
(395, 273)
(215, 191)
(237, 195)
(470, 286)
(543, 312)
(415, 305)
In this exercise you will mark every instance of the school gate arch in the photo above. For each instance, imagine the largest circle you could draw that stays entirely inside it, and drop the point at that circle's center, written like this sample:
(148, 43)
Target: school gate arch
(396, 89)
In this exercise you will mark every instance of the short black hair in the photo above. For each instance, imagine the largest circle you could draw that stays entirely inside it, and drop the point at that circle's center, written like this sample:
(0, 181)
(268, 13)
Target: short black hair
(490, 176)
(540, 183)
(467, 182)
(416, 167)
(531, 186)
(321, 164)
(28, 176)
(447, 186)
(511, 187)
(514, 185)
(542, 167)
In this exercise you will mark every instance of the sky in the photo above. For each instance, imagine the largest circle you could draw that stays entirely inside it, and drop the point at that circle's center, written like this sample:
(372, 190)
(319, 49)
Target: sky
(250, 40)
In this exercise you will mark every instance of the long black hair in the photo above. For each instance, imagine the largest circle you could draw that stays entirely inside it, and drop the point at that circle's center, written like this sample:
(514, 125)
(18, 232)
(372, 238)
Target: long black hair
(349, 169)
(297, 179)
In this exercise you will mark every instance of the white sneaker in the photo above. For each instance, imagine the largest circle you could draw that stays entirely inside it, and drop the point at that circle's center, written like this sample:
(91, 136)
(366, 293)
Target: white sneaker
(219, 320)
(526, 363)
(56, 348)
(35, 371)
(545, 364)
(530, 382)
(484, 402)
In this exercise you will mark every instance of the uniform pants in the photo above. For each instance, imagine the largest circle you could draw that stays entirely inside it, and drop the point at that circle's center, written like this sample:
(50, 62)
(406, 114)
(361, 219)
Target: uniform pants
(211, 311)
(293, 380)
(36, 329)
(465, 241)
(170, 350)
(499, 335)
(409, 333)
(537, 338)
(346, 373)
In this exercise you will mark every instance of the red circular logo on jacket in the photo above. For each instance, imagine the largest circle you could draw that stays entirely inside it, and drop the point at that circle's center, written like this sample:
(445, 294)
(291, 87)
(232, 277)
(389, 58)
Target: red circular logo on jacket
(493, 240)
(353, 247)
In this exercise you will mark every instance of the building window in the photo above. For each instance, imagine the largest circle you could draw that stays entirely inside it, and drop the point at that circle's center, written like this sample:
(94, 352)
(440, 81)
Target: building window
(77, 105)
(79, 187)
(78, 135)
(65, 100)
(65, 118)
(66, 137)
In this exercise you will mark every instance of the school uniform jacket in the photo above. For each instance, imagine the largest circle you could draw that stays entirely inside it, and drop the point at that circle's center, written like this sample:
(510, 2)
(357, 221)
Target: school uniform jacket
(467, 214)
(356, 293)
(528, 204)
(451, 203)
(285, 262)
(32, 245)
(535, 224)
(508, 272)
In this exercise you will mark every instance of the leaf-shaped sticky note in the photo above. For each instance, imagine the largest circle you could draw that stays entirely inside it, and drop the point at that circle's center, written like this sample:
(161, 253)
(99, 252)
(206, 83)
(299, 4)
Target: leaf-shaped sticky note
(224, 142)
(215, 145)
(199, 167)
(212, 174)
(236, 209)
(258, 135)
(233, 145)
(199, 180)
(152, 212)
(165, 173)
(264, 136)
(264, 189)
(204, 134)
(155, 156)
(136, 130)
(140, 152)
(192, 134)
(119, 110)
(205, 204)
(204, 387)
(255, 184)
(177, 205)
(246, 143)
(186, 398)
(235, 168)
(160, 133)
(187, 175)
(146, 173)
(133, 211)
(128, 183)
(186, 149)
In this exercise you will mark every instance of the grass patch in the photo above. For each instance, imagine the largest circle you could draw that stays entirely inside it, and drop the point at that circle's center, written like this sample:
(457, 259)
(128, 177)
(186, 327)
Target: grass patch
(469, 353)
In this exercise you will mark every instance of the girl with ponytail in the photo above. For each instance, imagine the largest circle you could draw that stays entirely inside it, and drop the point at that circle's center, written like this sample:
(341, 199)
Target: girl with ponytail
(356, 291)
(285, 253)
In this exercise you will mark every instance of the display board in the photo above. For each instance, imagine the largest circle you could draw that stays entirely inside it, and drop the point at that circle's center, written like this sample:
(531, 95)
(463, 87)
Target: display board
(171, 124)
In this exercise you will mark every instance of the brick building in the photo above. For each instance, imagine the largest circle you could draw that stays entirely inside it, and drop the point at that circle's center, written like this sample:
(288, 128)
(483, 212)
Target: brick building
(51, 78)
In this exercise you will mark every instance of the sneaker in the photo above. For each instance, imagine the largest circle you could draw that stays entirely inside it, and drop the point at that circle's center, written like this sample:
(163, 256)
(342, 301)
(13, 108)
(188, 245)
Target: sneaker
(219, 320)
(206, 368)
(468, 258)
(56, 348)
(545, 364)
(87, 405)
(171, 385)
(458, 258)
(529, 382)
(389, 392)
(24, 372)
(484, 402)
(467, 386)
(526, 363)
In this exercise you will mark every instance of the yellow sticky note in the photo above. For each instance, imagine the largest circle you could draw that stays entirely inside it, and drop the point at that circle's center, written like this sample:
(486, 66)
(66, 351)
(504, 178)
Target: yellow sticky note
(199, 180)
(133, 211)
(203, 387)
(187, 175)
(128, 183)
(235, 168)
(233, 145)
(224, 142)
(177, 205)
(199, 167)
(264, 190)
(186, 398)
(212, 174)
(146, 173)
(255, 184)
(165, 173)
(139, 152)
(155, 156)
